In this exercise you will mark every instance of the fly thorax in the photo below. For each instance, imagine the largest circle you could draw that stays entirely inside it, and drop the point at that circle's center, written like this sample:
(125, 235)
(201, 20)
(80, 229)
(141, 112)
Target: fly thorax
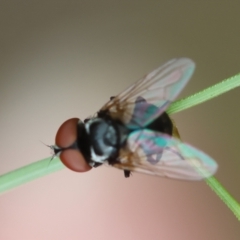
(103, 139)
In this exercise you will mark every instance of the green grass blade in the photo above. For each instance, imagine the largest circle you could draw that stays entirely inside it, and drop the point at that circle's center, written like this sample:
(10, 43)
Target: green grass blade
(28, 173)
(43, 167)
(224, 195)
(205, 95)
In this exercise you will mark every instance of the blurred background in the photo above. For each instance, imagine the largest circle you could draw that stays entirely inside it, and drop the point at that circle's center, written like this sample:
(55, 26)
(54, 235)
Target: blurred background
(64, 59)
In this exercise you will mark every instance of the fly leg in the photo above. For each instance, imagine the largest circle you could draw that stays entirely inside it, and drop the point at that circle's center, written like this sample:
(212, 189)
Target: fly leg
(127, 173)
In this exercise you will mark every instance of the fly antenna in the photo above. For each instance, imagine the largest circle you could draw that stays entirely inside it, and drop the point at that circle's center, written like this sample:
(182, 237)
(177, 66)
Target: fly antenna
(54, 149)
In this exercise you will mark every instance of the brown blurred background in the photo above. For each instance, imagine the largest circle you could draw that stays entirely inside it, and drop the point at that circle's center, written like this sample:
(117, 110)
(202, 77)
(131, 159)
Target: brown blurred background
(63, 59)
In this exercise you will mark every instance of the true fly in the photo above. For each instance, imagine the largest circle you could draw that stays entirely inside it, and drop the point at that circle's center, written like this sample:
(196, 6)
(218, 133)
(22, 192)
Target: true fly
(133, 132)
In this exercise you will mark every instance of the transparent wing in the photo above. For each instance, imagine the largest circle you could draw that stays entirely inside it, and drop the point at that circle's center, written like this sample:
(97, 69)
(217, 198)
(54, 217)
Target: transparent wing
(161, 155)
(145, 100)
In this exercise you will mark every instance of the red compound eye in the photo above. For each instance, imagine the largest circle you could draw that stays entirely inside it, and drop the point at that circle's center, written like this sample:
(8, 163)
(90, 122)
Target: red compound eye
(65, 137)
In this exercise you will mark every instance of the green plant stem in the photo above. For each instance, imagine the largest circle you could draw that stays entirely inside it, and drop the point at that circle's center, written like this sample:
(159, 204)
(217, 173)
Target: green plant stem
(205, 95)
(28, 173)
(224, 195)
(43, 167)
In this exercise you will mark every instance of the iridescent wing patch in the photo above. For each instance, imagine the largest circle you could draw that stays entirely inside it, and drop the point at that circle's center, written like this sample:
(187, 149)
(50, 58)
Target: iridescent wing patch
(161, 155)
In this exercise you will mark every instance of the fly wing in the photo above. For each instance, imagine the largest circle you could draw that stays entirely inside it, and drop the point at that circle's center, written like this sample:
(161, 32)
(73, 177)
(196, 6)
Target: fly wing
(145, 100)
(161, 155)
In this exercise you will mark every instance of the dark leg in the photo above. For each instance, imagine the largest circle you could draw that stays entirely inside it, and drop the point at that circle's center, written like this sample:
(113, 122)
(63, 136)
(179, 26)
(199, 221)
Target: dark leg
(127, 173)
